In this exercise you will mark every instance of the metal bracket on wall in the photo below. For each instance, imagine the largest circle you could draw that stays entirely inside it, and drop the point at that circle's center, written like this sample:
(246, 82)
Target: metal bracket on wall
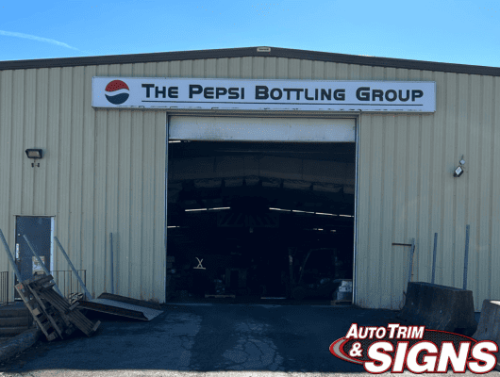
(412, 252)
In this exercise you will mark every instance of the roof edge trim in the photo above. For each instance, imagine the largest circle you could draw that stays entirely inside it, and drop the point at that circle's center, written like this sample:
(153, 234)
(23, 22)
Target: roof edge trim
(250, 52)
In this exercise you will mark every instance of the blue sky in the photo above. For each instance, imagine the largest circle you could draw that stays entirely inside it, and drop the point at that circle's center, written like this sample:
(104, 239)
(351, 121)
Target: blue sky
(458, 31)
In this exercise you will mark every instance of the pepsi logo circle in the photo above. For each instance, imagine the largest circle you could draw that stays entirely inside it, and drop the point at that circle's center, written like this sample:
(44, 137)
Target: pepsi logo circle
(117, 92)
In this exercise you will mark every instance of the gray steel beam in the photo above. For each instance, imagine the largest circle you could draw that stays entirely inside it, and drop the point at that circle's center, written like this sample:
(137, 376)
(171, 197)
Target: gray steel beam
(11, 259)
(87, 293)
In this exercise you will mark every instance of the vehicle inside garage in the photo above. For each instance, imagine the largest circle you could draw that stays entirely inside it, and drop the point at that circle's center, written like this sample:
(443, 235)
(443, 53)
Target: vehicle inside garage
(259, 219)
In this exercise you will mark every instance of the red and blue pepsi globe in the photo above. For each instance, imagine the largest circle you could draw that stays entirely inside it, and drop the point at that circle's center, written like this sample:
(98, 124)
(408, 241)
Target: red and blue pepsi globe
(117, 92)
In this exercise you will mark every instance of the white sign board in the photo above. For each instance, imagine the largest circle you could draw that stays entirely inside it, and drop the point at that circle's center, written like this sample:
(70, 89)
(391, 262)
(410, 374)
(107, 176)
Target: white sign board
(303, 95)
(277, 129)
(37, 267)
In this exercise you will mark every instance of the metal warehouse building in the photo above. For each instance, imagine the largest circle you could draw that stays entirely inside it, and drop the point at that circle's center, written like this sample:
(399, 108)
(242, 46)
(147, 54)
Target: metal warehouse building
(218, 171)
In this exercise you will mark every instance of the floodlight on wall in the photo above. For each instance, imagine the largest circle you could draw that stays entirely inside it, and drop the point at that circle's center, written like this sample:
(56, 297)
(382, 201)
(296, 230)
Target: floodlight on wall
(459, 170)
(35, 154)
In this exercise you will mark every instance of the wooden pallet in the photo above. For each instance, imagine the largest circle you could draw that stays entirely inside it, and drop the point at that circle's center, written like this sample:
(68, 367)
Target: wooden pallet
(69, 312)
(41, 319)
(75, 297)
(60, 322)
(55, 315)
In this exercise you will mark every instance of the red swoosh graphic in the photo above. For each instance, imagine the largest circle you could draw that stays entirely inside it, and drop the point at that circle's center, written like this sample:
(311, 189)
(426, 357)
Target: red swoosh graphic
(337, 349)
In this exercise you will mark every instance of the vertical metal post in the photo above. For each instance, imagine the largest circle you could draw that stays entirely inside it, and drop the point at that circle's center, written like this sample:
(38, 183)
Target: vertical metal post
(87, 293)
(466, 258)
(10, 257)
(411, 259)
(290, 273)
(112, 264)
(7, 288)
(165, 219)
(35, 254)
(434, 258)
(356, 201)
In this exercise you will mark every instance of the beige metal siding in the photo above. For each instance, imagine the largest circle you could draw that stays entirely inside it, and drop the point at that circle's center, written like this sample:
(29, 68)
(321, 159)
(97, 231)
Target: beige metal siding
(104, 173)
(407, 190)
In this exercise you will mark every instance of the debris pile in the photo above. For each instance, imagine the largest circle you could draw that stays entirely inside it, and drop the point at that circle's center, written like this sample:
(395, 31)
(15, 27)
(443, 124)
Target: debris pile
(54, 315)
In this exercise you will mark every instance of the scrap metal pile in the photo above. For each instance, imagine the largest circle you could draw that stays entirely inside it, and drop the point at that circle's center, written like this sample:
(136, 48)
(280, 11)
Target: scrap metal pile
(54, 315)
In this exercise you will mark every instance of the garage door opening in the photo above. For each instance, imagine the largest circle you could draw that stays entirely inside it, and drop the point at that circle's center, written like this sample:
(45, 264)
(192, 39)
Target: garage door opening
(255, 220)
(260, 207)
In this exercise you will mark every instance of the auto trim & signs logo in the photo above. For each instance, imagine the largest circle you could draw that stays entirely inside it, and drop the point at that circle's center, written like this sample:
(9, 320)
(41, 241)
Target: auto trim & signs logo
(395, 348)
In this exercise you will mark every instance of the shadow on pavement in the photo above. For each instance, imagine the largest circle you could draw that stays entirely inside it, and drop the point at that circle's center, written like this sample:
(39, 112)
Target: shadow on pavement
(206, 336)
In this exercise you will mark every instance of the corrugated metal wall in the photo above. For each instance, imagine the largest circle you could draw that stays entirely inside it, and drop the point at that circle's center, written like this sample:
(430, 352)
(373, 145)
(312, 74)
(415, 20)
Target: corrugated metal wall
(406, 162)
(407, 190)
(103, 172)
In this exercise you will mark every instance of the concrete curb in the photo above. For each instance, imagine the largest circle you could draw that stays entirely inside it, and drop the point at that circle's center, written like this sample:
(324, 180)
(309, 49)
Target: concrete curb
(18, 343)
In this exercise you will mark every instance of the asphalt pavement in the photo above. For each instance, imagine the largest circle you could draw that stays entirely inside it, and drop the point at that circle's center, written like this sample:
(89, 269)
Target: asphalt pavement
(210, 339)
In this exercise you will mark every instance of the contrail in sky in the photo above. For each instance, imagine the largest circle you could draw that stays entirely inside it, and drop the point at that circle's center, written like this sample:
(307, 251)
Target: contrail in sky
(35, 38)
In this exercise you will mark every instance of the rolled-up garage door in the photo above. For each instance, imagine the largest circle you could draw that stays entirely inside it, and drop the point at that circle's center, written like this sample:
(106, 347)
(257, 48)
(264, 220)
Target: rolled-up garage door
(261, 129)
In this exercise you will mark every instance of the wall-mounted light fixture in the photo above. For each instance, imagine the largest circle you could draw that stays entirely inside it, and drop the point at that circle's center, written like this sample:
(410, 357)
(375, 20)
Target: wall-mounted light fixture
(35, 154)
(460, 169)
